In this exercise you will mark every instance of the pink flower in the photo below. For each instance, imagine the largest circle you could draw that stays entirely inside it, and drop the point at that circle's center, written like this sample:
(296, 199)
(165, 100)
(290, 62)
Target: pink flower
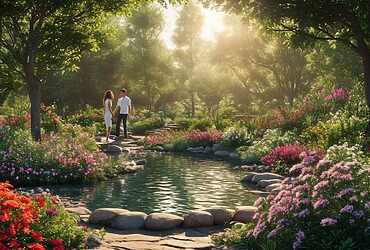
(328, 222)
(347, 209)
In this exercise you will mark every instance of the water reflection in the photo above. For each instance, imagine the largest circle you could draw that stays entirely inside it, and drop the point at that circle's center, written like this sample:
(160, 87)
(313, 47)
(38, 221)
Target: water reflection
(169, 183)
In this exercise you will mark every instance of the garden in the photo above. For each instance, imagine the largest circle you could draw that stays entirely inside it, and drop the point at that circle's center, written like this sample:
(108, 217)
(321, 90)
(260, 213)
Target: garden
(222, 92)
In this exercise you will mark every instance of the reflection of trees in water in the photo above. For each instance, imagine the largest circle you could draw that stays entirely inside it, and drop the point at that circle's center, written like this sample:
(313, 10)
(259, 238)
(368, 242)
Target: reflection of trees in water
(169, 183)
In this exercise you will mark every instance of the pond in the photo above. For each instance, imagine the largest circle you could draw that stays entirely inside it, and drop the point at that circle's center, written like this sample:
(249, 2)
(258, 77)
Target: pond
(169, 183)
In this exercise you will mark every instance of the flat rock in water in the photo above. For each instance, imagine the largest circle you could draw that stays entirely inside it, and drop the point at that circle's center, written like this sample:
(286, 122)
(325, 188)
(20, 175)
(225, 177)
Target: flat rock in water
(79, 210)
(248, 168)
(266, 176)
(134, 169)
(234, 156)
(113, 149)
(207, 150)
(162, 221)
(265, 183)
(104, 216)
(197, 150)
(222, 153)
(248, 177)
(271, 187)
(244, 214)
(220, 215)
(198, 219)
(129, 220)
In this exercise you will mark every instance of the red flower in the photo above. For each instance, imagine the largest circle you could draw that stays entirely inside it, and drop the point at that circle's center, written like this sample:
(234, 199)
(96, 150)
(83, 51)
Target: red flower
(37, 236)
(56, 242)
(312, 108)
(14, 243)
(36, 247)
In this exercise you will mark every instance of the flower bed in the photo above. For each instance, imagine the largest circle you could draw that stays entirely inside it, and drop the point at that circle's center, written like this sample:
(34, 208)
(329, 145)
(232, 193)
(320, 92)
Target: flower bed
(325, 207)
(36, 223)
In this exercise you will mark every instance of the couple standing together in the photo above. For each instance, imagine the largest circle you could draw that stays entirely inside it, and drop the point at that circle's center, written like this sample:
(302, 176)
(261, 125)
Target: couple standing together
(123, 109)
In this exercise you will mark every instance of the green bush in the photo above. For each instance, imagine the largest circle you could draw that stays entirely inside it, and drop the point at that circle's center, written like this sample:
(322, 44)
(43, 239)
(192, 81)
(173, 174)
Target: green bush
(142, 126)
(89, 117)
(236, 137)
(186, 122)
(202, 125)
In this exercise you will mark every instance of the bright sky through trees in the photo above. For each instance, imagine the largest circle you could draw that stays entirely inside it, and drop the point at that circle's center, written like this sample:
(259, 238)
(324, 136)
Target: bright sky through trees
(213, 23)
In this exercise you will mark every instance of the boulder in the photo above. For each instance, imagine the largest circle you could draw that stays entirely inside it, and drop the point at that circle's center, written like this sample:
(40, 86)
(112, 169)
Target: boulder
(79, 210)
(271, 187)
(198, 219)
(207, 150)
(234, 156)
(113, 149)
(249, 168)
(162, 221)
(222, 153)
(244, 214)
(266, 176)
(248, 177)
(265, 183)
(93, 241)
(197, 150)
(220, 215)
(129, 220)
(133, 169)
(141, 162)
(275, 191)
(104, 216)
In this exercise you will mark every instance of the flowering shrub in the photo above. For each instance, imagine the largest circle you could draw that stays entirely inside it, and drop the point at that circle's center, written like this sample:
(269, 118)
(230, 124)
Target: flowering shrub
(67, 156)
(89, 117)
(282, 158)
(201, 138)
(51, 122)
(36, 223)
(313, 109)
(236, 137)
(325, 207)
(345, 153)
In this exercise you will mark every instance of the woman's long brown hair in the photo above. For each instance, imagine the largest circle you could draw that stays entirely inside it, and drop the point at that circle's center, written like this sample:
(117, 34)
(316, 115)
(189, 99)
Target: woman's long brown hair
(108, 95)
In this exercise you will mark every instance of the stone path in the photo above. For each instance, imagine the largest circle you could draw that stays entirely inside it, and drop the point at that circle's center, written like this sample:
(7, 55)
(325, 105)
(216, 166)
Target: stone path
(167, 240)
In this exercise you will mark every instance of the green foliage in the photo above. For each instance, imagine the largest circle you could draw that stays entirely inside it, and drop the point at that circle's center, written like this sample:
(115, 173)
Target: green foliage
(186, 122)
(89, 117)
(345, 153)
(142, 126)
(203, 124)
(236, 137)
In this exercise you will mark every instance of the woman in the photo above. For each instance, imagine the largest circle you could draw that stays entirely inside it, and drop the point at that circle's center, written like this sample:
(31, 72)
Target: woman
(108, 113)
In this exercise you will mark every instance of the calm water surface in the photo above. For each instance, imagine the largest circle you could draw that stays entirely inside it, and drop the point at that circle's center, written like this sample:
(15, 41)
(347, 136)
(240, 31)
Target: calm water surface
(169, 183)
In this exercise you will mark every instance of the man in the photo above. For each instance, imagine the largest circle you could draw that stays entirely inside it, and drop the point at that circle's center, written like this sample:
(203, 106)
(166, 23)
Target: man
(124, 110)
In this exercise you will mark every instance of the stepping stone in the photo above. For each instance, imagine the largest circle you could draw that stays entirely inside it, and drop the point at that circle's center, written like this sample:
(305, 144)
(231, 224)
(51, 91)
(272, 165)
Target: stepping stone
(79, 210)
(248, 177)
(113, 149)
(129, 220)
(244, 214)
(272, 187)
(265, 183)
(222, 153)
(198, 219)
(104, 216)
(162, 221)
(266, 176)
(220, 215)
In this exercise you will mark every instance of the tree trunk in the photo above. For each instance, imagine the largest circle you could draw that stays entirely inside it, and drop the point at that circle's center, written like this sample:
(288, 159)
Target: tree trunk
(192, 104)
(34, 93)
(366, 65)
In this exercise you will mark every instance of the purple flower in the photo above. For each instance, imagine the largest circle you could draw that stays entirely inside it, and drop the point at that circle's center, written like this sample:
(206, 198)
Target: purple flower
(347, 209)
(351, 222)
(328, 222)
(344, 192)
(309, 160)
(296, 244)
(359, 214)
(304, 201)
(272, 233)
(281, 223)
(303, 213)
(300, 236)
(258, 229)
(367, 205)
(353, 198)
(51, 212)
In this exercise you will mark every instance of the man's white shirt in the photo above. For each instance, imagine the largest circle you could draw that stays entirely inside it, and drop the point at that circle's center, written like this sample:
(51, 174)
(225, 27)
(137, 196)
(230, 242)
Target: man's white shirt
(123, 103)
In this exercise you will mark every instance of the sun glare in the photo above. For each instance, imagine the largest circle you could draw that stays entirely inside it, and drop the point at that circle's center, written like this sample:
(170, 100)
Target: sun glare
(213, 23)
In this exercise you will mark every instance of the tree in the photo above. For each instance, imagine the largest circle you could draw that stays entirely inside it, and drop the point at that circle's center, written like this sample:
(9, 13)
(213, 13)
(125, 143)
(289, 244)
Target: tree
(263, 65)
(188, 47)
(44, 35)
(147, 64)
(306, 22)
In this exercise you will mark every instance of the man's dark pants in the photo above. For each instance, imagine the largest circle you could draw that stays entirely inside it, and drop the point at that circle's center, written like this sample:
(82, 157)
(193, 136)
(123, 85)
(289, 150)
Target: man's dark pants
(118, 125)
